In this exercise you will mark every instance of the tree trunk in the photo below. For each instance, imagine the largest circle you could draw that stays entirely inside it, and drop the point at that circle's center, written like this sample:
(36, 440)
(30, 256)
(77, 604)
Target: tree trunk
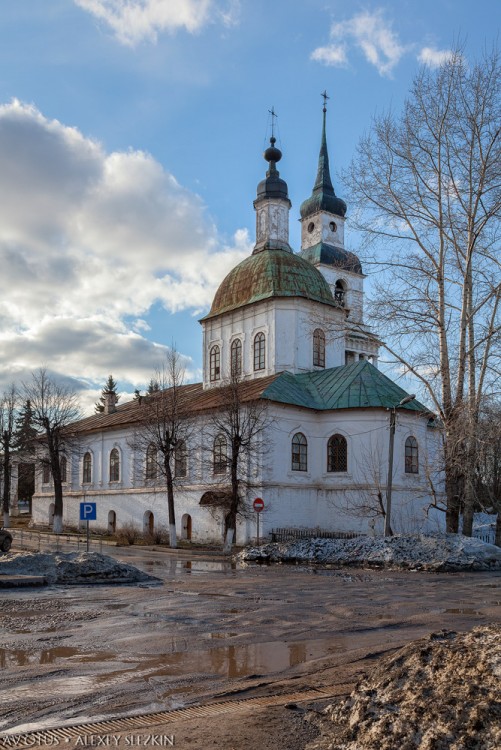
(6, 484)
(170, 504)
(6, 520)
(57, 525)
(58, 506)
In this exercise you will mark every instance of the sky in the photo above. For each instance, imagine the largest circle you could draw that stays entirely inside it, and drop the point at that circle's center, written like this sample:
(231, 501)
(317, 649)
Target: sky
(131, 140)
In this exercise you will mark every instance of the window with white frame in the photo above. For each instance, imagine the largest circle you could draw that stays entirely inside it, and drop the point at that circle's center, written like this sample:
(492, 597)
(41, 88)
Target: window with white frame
(299, 456)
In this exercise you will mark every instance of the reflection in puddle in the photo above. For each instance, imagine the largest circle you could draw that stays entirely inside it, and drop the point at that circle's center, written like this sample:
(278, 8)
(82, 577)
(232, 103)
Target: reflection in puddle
(191, 566)
(21, 657)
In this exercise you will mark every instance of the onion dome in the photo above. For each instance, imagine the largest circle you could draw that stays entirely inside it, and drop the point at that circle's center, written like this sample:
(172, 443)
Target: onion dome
(272, 186)
(269, 274)
(323, 197)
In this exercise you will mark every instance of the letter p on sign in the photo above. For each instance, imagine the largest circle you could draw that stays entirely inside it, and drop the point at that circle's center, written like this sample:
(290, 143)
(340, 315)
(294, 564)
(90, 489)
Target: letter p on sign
(88, 512)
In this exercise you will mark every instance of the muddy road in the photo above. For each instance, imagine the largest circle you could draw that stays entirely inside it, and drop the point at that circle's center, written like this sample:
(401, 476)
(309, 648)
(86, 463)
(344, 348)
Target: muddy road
(76, 654)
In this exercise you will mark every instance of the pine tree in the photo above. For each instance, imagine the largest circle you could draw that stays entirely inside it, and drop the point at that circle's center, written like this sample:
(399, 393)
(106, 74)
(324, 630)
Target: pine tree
(25, 431)
(153, 387)
(109, 387)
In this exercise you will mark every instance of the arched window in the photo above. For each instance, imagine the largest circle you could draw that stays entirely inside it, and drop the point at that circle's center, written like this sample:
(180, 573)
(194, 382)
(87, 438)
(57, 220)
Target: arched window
(180, 459)
(63, 465)
(340, 292)
(236, 358)
(299, 452)
(45, 474)
(220, 457)
(87, 468)
(215, 363)
(151, 462)
(259, 351)
(337, 454)
(114, 465)
(318, 348)
(411, 456)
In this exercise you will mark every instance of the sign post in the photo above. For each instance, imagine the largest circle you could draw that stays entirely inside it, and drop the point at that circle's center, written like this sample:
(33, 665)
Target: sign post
(88, 513)
(258, 506)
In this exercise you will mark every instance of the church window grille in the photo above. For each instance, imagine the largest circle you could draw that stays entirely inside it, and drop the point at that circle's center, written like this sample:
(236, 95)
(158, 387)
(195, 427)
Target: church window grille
(151, 462)
(87, 468)
(63, 465)
(337, 454)
(114, 465)
(215, 364)
(299, 452)
(318, 348)
(180, 459)
(45, 474)
(236, 358)
(220, 456)
(259, 352)
(411, 456)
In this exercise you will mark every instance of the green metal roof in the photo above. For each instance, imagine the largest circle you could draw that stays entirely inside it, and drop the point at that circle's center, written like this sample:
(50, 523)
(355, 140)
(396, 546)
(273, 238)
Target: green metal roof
(272, 272)
(356, 386)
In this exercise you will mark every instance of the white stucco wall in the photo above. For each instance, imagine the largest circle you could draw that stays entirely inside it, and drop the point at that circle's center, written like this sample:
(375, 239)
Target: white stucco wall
(308, 499)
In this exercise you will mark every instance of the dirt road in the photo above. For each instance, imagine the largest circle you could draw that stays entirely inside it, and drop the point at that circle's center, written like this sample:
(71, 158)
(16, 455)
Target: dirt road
(211, 632)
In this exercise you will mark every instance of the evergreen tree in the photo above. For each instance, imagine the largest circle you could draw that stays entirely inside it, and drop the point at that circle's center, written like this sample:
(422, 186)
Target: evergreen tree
(153, 387)
(109, 387)
(25, 431)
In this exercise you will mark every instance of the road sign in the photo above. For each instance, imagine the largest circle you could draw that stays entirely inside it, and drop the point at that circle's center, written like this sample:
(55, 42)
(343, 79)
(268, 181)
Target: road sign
(258, 504)
(88, 512)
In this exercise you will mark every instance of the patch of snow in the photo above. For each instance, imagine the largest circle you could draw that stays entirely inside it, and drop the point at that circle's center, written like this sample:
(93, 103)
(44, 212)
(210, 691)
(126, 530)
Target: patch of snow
(441, 691)
(438, 552)
(72, 568)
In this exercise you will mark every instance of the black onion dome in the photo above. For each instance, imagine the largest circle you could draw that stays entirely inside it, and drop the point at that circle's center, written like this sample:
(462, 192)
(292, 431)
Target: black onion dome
(272, 186)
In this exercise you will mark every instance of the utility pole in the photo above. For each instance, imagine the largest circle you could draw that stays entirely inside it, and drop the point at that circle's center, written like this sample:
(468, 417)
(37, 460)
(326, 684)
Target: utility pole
(389, 482)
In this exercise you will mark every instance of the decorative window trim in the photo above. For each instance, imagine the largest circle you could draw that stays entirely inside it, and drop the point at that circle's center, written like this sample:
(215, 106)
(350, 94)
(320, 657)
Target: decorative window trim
(318, 348)
(299, 452)
(411, 456)
(337, 462)
(181, 459)
(219, 455)
(118, 452)
(215, 363)
(259, 351)
(150, 463)
(88, 480)
(236, 358)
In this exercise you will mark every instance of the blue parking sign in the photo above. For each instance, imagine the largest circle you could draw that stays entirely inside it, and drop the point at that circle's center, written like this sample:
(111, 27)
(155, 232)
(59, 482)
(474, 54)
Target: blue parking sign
(88, 512)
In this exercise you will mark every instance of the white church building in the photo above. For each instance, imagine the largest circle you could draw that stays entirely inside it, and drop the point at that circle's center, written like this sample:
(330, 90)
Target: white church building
(291, 327)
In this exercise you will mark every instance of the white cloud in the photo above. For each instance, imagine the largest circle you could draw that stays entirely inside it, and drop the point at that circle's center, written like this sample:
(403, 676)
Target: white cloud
(331, 55)
(134, 21)
(434, 57)
(88, 240)
(371, 33)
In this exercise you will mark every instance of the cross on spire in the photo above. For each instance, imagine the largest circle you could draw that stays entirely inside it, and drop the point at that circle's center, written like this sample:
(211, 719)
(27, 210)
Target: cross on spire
(324, 94)
(273, 118)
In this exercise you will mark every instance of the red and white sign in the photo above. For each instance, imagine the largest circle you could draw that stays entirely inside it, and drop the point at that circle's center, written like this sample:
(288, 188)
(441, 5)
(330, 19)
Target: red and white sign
(258, 504)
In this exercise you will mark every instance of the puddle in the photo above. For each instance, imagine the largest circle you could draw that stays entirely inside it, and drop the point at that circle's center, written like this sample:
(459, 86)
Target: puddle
(21, 657)
(191, 566)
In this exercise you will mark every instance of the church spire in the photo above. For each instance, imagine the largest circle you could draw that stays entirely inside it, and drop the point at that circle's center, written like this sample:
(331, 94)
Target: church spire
(323, 197)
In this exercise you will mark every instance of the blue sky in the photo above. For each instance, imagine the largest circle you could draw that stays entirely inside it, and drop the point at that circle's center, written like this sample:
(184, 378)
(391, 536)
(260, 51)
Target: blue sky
(131, 139)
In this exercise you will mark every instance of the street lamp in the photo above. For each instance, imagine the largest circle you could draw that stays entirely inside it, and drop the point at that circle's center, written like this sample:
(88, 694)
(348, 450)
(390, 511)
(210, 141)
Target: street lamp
(393, 421)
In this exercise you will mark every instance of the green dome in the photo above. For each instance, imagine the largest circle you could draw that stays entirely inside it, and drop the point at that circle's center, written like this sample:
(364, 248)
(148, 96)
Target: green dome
(266, 274)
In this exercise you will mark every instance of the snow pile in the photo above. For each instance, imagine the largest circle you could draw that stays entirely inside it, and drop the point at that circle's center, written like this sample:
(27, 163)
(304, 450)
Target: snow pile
(438, 693)
(438, 552)
(72, 568)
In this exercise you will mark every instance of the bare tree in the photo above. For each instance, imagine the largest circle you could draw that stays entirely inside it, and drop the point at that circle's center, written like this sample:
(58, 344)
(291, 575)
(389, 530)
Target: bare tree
(238, 427)
(163, 433)
(8, 405)
(428, 188)
(54, 406)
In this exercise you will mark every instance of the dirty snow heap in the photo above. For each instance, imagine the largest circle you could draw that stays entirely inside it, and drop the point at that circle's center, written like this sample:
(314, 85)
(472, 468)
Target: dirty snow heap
(437, 552)
(72, 568)
(440, 692)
